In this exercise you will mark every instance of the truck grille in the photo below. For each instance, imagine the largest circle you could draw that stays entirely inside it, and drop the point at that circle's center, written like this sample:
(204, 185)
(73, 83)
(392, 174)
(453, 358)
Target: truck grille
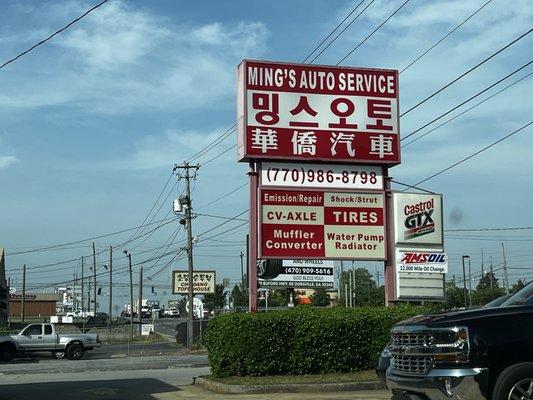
(412, 339)
(412, 365)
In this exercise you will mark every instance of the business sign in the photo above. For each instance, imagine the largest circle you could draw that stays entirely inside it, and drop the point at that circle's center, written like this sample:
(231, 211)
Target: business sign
(418, 218)
(297, 224)
(328, 176)
(311, 112)
(203, 282)
(422, 261)
(302, 274)
(147, 329)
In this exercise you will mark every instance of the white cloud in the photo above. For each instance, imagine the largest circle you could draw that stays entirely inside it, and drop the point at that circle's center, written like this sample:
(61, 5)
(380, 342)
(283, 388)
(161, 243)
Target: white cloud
(122, 59)
(6, 161)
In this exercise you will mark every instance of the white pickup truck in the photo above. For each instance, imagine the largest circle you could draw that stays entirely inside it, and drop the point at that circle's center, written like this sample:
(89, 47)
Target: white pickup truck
(44, 337)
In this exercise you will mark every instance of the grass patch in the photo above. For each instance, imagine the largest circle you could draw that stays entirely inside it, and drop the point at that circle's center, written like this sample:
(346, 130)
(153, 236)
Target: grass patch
(361, 376)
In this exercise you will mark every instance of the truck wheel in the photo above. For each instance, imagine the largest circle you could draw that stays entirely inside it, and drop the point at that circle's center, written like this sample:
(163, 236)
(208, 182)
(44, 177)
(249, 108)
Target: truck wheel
(515, 382)
(7, 352)
(74, 351)
(58, 354)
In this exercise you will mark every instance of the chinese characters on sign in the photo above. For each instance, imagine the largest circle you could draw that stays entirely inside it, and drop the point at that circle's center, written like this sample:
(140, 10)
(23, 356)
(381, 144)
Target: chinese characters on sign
(288, 111)
(317, 224)
(203, 282)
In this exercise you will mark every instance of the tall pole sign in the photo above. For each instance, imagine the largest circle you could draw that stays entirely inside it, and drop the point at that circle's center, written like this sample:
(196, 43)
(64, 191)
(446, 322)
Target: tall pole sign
(319, 141)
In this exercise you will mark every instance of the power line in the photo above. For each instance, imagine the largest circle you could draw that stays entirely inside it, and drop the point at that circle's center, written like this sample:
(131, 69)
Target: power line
(332, 32)
(467, 110)
(222, 217)
(219, 155)
(85, 240)
(473, 154)
(53, 34)
(213, 143)
(444, 37)
(466, 72)
(468, 100)
(489, 229)
(372, 33)
(223, 196)
(155, 203)
(343, 30)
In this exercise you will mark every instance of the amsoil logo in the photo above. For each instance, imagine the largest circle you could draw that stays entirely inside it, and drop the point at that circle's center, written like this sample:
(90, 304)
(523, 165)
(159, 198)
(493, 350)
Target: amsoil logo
(423, 258)
(418, 219)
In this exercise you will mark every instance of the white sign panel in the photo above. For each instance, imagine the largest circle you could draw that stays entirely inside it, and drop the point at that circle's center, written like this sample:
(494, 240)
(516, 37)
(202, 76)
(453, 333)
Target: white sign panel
(418, 218)
(146, 329)
(302, 274)
(203, 282)
(332, 176)
(421, 261)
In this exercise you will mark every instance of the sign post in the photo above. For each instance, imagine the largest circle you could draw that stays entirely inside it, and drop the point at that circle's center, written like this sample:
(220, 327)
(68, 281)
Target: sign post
(319, 141)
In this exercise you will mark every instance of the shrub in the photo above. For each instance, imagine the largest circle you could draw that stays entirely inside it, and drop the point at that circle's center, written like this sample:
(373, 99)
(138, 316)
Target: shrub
(301, 341)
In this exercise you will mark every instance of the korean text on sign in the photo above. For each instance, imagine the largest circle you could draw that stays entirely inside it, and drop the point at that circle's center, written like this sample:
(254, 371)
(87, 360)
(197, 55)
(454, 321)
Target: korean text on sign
(291, 111)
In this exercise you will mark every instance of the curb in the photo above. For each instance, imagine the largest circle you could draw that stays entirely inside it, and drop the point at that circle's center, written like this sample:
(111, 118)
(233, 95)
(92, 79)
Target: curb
(223, 388)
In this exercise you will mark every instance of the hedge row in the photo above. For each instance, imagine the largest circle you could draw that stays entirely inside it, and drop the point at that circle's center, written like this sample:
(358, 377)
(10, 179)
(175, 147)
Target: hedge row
(301, 341)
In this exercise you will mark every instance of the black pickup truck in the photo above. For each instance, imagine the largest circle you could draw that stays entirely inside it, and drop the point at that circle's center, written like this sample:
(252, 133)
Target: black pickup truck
(482, 354)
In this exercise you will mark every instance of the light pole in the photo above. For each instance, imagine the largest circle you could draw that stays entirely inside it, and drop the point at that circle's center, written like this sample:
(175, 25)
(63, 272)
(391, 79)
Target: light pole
(131, 291)
(464, 280)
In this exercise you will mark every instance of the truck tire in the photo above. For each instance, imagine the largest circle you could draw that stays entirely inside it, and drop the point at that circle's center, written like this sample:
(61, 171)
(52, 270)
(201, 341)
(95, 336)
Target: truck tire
(515, 382)
(74, 351)
(7, 352)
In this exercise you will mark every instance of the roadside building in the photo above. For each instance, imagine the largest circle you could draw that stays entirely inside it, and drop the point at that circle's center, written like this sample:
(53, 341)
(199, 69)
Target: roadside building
(36, 304)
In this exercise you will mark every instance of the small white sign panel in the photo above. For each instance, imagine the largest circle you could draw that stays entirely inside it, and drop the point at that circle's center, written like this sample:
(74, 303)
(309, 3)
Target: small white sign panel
(421, 261)
(146, 329)
(303, 274)
(332, 176)
(418, 218)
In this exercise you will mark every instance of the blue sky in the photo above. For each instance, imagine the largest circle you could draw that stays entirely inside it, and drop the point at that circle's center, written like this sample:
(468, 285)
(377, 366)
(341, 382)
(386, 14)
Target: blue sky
(92, 122)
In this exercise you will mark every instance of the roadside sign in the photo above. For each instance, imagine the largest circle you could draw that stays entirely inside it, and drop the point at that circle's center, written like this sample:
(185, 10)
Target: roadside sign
(330, 176)
(147, 329)
(421, 261)
(302, 274)
(418, 218)
(297, 224)
(203, 282)
(313, 112)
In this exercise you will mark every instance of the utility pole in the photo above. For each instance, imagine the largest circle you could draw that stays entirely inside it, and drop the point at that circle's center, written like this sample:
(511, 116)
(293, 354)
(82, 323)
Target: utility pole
(482, 265)
(131, 292)
(464, 281)
(140, 300)
(351, 288)
(377, 275)
(346, 294)
(23, 300)
(188, 219)
(110, 284)
(94, 280)
(242, 273)
(505, 276)
(82, 289)
(469, 283)
(491, 275)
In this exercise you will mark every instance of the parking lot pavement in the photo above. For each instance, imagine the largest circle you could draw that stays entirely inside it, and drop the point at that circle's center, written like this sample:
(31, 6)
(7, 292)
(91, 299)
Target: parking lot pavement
(168, 384)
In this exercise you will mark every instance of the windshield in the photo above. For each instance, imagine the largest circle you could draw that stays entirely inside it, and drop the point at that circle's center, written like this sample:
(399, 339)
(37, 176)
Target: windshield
(524, 296)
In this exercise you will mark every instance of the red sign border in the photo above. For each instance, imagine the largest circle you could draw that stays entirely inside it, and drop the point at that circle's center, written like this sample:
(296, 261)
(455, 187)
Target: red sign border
(242, 119)
(259, 217)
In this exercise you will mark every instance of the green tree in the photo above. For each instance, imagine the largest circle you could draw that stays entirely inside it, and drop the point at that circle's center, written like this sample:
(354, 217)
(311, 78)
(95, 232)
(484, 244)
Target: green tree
(215, 300)
(238, 297)
(455, 296)
(521, 283)
(365, 291)
(320, 298)
(487, 290)
(181, 306)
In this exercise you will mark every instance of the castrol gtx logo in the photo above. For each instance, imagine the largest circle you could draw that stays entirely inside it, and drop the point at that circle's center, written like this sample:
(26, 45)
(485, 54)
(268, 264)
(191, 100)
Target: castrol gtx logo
(418, 219)
(423, 258)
